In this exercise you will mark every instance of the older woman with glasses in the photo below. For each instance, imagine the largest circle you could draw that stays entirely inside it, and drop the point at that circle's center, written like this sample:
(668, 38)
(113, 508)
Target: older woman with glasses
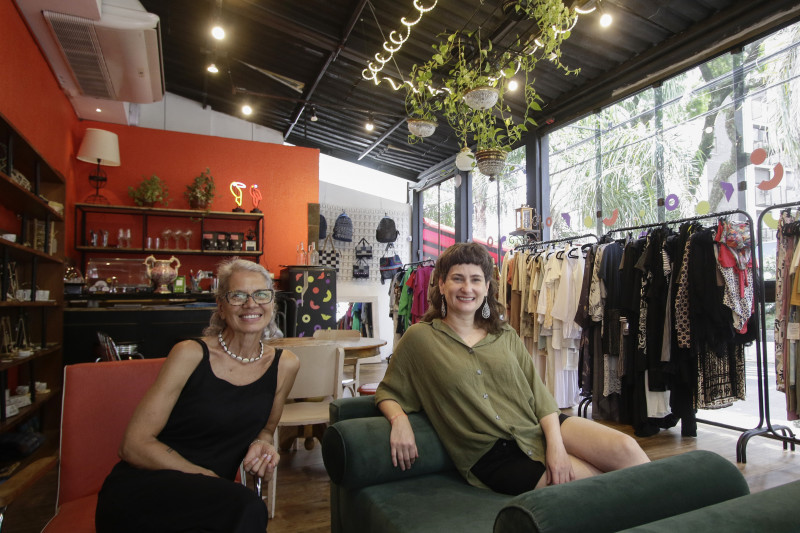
(215, 404)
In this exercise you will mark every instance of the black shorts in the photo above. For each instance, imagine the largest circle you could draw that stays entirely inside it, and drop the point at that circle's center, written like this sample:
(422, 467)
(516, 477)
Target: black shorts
(507, 469)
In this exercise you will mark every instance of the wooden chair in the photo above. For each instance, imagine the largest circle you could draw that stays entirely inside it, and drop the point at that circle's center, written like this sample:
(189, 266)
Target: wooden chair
(320, 376)
(336, 334)
(98, 401)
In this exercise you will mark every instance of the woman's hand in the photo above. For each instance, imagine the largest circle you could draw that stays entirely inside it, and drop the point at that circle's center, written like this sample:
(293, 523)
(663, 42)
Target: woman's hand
(558, 465)
(402, 443)
(261, 459)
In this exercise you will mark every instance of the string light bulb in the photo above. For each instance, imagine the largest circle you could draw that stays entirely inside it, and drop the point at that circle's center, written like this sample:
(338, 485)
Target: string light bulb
(370, 125)
(605, 18)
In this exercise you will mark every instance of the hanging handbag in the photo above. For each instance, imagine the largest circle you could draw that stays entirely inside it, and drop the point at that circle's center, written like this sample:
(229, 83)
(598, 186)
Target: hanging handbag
(329, 256)
(343, 228)
(361, 269)
(387, 231)
(390, 264)
(363, 249)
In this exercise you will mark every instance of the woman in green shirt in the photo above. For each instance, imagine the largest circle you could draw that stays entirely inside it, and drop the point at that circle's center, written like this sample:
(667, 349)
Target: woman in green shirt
(471, 374)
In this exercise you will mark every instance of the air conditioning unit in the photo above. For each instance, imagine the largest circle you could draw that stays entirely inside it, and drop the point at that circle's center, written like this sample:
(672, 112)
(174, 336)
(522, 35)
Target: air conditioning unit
(109, 49)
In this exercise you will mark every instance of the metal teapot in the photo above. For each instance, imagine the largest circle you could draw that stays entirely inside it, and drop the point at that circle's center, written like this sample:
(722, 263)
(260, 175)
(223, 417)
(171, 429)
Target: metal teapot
(161, 272)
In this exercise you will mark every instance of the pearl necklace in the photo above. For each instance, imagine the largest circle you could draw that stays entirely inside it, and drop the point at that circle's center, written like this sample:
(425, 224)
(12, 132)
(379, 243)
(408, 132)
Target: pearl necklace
(238, 358)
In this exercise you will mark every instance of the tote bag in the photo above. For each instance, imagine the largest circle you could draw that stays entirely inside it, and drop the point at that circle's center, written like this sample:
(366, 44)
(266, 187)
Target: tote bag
(329, 256)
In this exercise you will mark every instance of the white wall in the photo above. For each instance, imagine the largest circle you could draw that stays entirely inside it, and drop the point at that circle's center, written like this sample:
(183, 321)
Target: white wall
(350, 290)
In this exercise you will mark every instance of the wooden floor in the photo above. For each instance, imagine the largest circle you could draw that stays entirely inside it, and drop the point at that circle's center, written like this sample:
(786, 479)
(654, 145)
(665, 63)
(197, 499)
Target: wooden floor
(303, 488)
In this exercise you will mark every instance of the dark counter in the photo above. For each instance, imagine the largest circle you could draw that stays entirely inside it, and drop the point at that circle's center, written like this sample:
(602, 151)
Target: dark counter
(153, 325)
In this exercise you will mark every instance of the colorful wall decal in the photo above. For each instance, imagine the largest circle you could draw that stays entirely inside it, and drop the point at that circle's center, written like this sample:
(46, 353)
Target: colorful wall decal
(566, 218)
(702, 207)
(588, 221)
(777, 177)
(672, 202)
(728, 188)
(549, 221)
(770, 221)
(758, 156)
(613, 219)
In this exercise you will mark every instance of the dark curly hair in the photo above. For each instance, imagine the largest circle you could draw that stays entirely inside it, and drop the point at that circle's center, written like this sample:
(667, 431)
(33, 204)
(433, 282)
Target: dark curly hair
(466, 253)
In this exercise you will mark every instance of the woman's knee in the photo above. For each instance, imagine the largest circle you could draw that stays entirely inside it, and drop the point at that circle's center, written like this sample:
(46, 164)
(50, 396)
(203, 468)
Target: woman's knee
(251, 511)
(628, 452)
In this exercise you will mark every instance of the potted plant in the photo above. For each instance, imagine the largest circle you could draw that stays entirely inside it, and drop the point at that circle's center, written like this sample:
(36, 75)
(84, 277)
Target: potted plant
(421, 103)
(200, 192)
(150, 191)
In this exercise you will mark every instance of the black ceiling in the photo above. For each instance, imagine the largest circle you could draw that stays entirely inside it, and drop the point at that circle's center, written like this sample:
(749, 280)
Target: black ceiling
(325, 45)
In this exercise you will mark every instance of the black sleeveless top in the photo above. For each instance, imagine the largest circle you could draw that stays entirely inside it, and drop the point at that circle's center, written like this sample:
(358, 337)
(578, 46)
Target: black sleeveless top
(214, 422)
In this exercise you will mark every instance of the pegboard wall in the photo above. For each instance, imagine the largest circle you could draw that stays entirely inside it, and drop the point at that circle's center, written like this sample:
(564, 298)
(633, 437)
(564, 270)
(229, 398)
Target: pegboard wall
(365, 222)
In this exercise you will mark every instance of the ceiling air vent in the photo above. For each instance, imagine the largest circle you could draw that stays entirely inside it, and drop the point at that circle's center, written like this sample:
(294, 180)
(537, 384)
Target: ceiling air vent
(81, 47)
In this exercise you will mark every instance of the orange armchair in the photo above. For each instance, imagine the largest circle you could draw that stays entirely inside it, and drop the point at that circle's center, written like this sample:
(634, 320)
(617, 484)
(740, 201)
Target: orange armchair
(99, 400)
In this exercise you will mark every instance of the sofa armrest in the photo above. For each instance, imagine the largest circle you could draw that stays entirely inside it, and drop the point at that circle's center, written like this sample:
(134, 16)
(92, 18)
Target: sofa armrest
(358, 407)
(626, 498)
(356, 452)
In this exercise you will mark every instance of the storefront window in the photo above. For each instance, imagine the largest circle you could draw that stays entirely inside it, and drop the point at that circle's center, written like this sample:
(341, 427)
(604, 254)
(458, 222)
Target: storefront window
(438, 218)
(487, 226)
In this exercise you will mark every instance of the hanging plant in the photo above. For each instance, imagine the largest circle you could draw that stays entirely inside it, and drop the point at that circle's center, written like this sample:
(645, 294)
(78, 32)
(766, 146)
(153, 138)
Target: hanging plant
(421, 103)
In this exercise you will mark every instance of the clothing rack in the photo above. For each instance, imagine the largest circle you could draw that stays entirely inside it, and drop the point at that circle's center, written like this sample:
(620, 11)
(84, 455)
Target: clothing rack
(765, 427)
(553, 241)
(761, 373)
(424, 261)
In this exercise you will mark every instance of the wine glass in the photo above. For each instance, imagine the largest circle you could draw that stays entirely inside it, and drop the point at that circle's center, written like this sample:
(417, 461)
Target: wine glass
(178, 234)
(187, 235)
(167, 235)
(128, 238)
(121, 238)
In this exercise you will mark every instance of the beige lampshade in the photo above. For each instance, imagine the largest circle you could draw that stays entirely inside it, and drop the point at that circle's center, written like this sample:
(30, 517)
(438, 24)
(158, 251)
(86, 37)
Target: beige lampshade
(100, 147)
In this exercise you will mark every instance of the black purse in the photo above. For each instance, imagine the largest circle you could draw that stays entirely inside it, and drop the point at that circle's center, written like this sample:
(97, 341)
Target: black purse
(363, 249)
(361, 269)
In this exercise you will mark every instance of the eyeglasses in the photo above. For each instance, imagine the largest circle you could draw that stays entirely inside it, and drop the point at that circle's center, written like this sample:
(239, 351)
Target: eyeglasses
(260, 297)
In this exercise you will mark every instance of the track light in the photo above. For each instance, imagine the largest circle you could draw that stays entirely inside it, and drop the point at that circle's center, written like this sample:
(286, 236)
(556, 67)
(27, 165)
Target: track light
(314, 117)
(370, 125)
(212, 68)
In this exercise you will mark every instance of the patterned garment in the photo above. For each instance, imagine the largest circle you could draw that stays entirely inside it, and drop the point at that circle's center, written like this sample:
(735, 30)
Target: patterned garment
(781, 278)
(715, 387)
(682, 302)
(742, 306)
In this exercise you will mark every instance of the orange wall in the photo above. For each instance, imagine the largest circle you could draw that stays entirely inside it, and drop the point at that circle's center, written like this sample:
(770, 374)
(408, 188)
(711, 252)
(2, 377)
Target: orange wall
(287, 176)
(31, 99)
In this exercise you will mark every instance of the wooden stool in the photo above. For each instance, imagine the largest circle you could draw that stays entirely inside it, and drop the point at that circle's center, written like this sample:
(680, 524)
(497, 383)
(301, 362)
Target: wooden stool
(368, 389)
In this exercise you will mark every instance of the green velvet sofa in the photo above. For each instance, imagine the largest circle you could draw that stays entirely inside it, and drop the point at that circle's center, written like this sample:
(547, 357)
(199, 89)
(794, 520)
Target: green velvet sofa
(694, 491)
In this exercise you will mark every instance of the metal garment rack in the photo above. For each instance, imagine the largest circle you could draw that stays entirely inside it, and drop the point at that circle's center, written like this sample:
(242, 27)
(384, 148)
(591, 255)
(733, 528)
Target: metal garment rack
(765, 427)
(761, 373)
(583, 406)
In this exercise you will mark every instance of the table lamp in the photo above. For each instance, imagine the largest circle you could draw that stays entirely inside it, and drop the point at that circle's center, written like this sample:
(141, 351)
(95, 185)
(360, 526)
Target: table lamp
(101, 147)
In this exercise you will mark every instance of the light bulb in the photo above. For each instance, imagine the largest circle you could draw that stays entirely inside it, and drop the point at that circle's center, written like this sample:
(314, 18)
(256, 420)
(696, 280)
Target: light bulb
(212, 68)
(369, 125)
(513, 85)
(218, 32)
(606, 20)
(246, 109)
(314, 116)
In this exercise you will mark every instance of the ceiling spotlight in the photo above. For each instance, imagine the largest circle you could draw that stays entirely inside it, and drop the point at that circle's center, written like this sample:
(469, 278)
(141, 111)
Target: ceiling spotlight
(314, 116)
(370, 125)
(99, 110)
(247, 110)
(513, 85)
(605, 18)
(212, 68)
(218, 32)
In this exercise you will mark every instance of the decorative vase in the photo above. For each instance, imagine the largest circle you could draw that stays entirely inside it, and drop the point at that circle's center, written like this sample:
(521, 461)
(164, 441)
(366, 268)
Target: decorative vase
(465, 160)
(421, 127)
(491, 161)
(481, 98)
(198, 204)
(161, 272)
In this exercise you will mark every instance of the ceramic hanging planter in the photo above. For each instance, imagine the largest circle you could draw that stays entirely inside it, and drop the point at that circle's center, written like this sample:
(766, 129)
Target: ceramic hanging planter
(481, 98)
(421, 127)
(491, 161)
(465, 160)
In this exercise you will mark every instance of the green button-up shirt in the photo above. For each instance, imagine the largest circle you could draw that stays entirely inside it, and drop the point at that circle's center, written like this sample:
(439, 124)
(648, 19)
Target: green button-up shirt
(473, 396)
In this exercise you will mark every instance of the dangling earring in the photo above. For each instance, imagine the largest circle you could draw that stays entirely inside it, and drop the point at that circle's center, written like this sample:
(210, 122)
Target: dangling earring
(485, 310)
(444, 307)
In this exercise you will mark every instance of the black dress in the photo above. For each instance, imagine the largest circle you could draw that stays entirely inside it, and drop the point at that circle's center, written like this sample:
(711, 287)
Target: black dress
(212, 424)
